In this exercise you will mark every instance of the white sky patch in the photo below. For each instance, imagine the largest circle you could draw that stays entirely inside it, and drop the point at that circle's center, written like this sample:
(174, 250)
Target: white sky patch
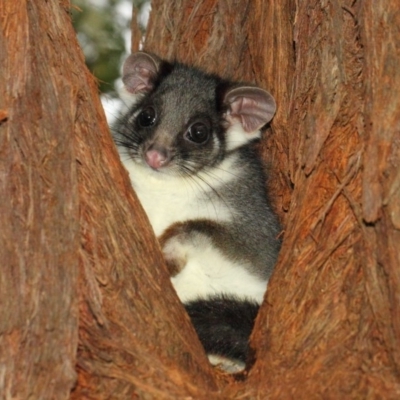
(127, 38)
(144, 14)
(112, 107)
(124, 9)
(98, 3)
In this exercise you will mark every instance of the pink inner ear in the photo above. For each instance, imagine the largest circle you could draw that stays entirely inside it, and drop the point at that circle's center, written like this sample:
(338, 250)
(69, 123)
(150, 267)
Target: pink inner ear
(144, 72)
(246, 110)
(139, 81)
(135, 84)
(251, 106)
(138, 72)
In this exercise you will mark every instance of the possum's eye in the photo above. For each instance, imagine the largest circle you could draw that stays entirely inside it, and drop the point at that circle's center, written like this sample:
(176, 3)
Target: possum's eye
(198, 133)
(147, 117)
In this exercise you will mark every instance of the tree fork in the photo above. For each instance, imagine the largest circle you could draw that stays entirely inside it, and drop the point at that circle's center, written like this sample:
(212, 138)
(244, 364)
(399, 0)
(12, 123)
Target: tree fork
(83, 288)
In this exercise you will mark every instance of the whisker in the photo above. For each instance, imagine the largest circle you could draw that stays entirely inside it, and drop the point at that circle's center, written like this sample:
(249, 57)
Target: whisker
(190, 178)
(200, 182)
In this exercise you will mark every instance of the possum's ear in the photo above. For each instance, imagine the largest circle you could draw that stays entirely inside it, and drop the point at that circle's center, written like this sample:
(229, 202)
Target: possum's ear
(251, 106)
(139, 72)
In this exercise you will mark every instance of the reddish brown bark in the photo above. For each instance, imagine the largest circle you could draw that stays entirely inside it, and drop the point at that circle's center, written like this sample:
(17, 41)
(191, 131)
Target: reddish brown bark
(38, 207)
(74, 239)
(329, 324)
(73, 234)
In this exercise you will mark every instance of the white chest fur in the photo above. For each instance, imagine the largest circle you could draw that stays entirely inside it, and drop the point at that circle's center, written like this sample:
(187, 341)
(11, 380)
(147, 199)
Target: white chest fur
(168, 200)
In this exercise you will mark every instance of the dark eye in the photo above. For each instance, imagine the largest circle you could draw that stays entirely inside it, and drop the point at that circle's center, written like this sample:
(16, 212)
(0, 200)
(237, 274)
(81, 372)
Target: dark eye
(147, 117)
(198, 133)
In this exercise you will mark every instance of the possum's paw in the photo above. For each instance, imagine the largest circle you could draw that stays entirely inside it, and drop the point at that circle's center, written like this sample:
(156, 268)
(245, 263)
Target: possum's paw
(175, 253)
(226, 364)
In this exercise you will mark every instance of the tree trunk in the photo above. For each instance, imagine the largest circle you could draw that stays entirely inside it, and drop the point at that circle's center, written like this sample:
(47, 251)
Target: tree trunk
(39, 218)
(83, 288)
(75, 241)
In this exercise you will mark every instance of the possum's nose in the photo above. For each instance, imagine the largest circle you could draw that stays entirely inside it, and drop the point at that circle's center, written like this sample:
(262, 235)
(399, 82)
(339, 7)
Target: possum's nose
(157, 157)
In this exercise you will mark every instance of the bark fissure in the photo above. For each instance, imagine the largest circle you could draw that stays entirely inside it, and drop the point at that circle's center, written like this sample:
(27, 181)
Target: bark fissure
(85, 298)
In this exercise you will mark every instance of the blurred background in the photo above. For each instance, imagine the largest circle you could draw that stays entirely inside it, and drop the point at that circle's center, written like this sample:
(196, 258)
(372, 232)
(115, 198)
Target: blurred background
(104, 33)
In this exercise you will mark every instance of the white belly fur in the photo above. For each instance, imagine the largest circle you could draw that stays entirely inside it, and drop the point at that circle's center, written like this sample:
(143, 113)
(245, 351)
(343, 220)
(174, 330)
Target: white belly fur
(168, 200)
(209, 273)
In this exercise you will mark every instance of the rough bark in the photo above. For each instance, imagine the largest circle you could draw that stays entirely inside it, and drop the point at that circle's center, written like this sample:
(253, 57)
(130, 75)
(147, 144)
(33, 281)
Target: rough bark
(74, 238)
(329, 325)
(38, 207)
(82, 278)
(332, 308)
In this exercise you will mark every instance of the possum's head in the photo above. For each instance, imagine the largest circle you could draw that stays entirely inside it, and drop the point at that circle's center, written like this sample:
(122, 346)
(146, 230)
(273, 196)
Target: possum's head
(183, 119)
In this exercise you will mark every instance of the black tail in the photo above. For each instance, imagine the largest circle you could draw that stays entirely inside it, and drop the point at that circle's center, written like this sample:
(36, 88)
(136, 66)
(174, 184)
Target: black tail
(224, 325)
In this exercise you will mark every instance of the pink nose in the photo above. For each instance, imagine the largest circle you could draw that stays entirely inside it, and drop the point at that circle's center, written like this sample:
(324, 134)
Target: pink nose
(155, 159)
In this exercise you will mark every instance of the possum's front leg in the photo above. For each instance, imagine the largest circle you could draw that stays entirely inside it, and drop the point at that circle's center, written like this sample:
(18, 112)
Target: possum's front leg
(182, 239)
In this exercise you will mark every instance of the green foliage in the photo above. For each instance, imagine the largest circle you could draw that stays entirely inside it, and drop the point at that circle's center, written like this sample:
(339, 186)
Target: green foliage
(101, 31)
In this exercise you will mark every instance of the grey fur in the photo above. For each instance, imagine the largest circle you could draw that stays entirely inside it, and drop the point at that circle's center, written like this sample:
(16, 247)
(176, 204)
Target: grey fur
(181, 95)
(175, 106)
